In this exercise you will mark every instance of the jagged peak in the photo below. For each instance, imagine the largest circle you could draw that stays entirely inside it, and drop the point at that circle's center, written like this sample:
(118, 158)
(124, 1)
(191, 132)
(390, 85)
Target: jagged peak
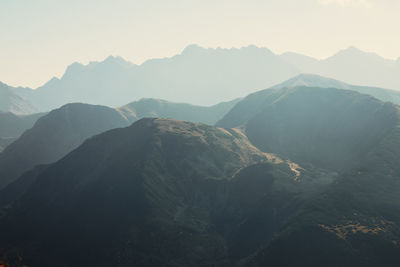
(110, 60)
(352, 52)
(52, 81)
(117, 60)
(76, 66)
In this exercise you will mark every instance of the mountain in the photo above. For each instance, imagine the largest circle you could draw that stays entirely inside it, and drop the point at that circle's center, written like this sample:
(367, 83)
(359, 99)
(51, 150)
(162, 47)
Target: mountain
(172, 193)
(12, 126)
(160, 192)
(312, 80)
(301, 62)
(355, 215)
(109, 83)
(63, 129)
(191, 77)
(327, 127)
(198, 73)
(355, 136)
(342, 225)
(10, 101)
(4, 142)
(352, 66)
(164, 109)
(54, 135)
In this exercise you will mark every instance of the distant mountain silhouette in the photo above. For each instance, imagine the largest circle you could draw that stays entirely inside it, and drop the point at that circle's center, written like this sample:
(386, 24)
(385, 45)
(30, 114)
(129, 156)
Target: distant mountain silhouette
(156, 108)
(10, 101)
(54, 135)
(353, 66)
(205, 76)
(312, 80)
(191, 77)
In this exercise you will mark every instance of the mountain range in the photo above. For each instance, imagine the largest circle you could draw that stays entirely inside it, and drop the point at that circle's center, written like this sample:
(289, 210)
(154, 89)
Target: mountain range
(57, 133)
(284, 121)
(303, 171)
(160, 192)
(204, 76)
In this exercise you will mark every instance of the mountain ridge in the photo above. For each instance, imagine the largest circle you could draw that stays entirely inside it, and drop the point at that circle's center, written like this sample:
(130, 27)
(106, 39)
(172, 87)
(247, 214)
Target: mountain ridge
(194, 74)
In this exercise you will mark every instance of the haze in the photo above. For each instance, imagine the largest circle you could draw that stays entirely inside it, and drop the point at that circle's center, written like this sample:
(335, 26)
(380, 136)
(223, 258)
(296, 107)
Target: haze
(40, 38)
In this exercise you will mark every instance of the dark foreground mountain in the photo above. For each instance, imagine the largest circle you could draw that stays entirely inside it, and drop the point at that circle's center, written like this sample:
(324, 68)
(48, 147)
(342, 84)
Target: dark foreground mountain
(64, 129)
(354, 222)
(54, 135)
(156, 108)
(4, 142)
(158, 193)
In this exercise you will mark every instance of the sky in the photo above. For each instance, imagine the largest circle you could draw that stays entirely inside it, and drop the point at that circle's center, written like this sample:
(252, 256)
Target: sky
(40, 38)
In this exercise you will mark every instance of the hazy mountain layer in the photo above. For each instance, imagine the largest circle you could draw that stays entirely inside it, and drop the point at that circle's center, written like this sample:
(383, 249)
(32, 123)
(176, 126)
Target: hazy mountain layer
(205, 76)
(163, 109)
(12, 126)
(10, 101)
(311, 80)
(352, 66)
(54, 135)
(329, 128)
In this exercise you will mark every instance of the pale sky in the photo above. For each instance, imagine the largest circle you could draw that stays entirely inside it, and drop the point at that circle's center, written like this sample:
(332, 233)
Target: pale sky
(40, 38)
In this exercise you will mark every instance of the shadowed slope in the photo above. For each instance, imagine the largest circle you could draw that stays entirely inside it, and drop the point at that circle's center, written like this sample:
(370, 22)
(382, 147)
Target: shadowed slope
(329, 128)
(160, 192)
(54, 135)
